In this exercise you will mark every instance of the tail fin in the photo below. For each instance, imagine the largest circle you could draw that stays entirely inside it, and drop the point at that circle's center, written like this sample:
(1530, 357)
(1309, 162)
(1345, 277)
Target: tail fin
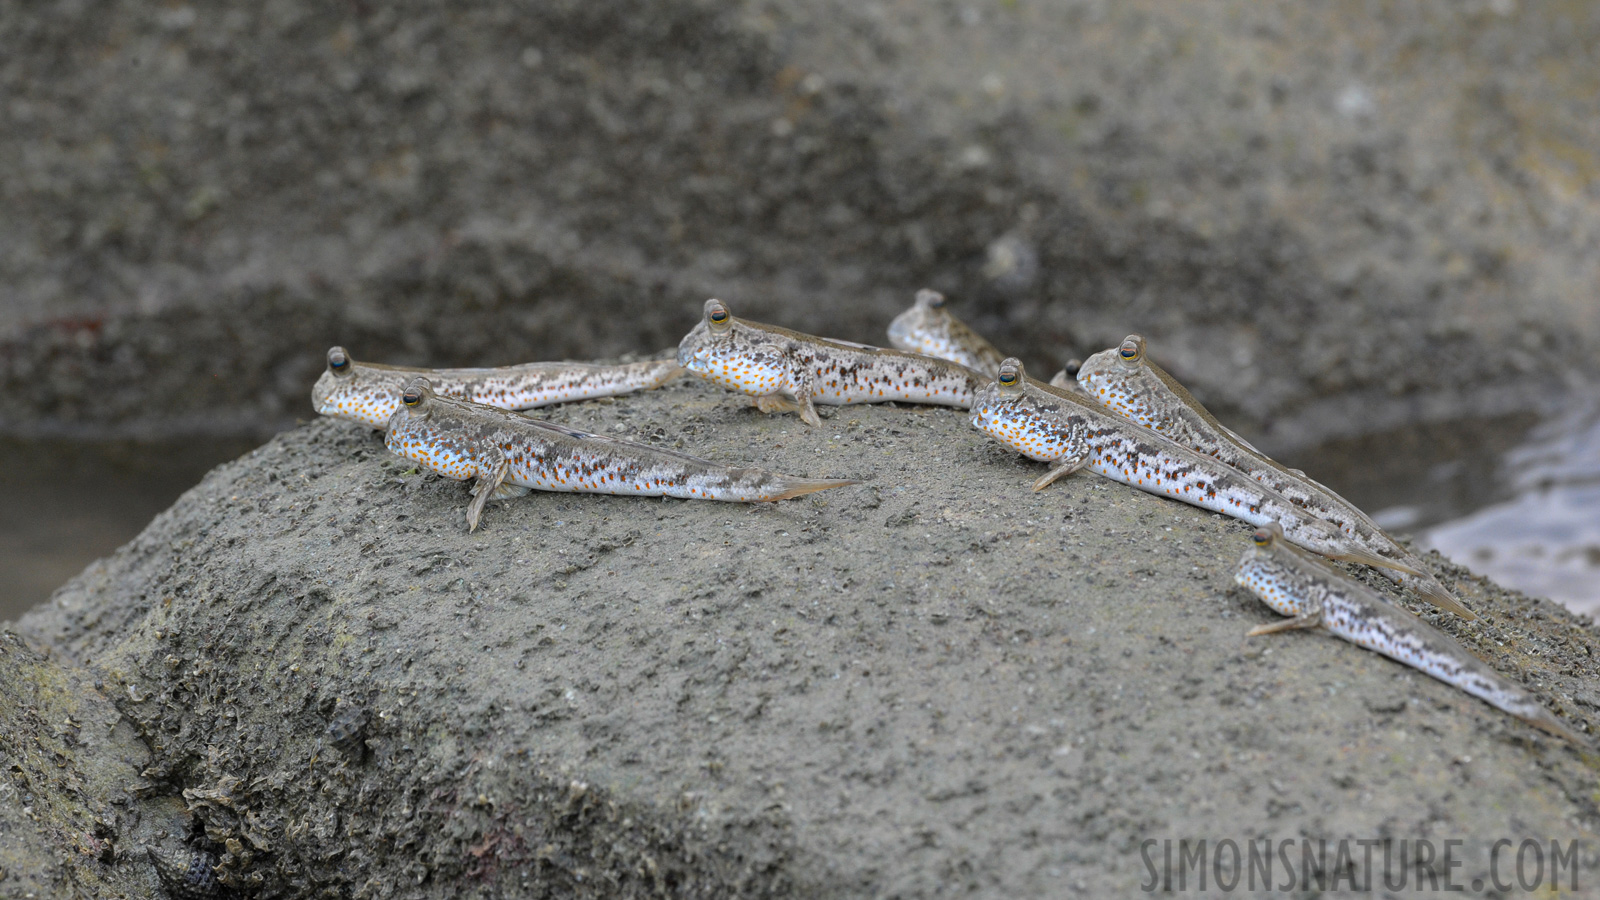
(1544, 719)
(1437, 594)
(799, 487)
(1368, 558)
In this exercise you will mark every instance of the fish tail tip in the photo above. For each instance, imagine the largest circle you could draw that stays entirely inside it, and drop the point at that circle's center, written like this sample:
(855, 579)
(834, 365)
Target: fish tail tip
(1440, 596)
(799, 487)
(1367, 558)
(1548, 722)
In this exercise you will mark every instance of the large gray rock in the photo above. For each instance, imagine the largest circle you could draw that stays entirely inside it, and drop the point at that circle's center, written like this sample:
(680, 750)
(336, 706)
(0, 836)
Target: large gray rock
(931, 683)
(76, 819)
(1327, 218)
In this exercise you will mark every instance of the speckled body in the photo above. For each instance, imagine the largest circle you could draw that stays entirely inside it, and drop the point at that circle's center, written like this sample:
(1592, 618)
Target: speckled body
(509, 453)
(369, 393)
(1142, 392)
(1316, 595)
(1058, 426)
(789, 371)
(929, 328)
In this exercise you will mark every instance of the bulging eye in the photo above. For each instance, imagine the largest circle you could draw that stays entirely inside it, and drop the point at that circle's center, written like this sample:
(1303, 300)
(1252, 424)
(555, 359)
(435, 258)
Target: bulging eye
(717, 315)
(338, 360)
(1129, 351)
(718, 320)
(1262, 537)
(411, 397)
(1010, 374)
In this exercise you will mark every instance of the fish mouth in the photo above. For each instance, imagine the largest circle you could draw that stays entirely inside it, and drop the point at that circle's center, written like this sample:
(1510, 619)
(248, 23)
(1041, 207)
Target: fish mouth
(693, 359)
(329, 406)
(325, 401)
(320, 392)
(690, 358)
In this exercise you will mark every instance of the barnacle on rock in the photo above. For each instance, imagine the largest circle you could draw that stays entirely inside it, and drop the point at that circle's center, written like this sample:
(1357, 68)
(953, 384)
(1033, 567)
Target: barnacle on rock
(189, 875)
(346, 732)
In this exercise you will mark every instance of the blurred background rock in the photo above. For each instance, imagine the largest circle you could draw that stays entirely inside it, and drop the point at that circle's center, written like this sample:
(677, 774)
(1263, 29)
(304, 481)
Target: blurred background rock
(1334, 222)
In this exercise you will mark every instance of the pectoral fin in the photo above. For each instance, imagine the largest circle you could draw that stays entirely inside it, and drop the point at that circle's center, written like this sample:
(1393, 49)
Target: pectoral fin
(808, 413)
(489, 482)
(776, 403)
(1309, 619)
(803, 384)
(1063, 467)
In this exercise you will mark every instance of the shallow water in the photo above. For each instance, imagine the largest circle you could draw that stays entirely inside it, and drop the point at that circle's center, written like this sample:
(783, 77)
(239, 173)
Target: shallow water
(1510, 498)
(1545, 537)
(1414, 479)
(64, 504)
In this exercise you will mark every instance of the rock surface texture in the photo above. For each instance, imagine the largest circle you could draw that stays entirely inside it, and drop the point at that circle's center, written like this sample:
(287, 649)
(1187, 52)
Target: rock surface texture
(936, 682)
(1328, 218)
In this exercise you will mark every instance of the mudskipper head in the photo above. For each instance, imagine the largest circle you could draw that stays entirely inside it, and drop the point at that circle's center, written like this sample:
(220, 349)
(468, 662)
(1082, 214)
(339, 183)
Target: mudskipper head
(409, 421)
(1264, 541)
(1030, 420)
(991, 404)
(357, 393)
(929, 328)
(423, 430)
(715, 327)
(1106, 375)
(921, 327)
(1262, 571)
(740, 358)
